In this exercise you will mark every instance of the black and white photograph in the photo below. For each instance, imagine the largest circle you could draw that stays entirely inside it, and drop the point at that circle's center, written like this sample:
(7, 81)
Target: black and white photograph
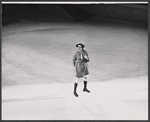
(74, 61)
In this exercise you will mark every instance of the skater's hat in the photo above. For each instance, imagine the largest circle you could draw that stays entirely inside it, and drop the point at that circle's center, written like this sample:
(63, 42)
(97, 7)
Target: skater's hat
(80, 44)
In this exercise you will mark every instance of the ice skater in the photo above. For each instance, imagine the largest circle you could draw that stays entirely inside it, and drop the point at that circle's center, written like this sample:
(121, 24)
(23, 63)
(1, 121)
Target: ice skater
(80, 62)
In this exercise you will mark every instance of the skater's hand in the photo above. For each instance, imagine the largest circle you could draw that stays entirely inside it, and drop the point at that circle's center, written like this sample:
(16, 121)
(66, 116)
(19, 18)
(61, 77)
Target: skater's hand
(86, 57)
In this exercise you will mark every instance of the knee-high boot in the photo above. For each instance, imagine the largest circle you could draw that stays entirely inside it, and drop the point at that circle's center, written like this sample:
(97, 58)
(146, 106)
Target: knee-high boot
(75, 88)
(85, 87)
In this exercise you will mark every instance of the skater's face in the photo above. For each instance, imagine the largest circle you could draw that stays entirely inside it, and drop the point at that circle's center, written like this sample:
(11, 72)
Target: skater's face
(79, 47)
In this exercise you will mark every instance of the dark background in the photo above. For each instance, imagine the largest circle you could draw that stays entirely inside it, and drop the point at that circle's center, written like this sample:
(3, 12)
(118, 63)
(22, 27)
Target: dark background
(75, 12)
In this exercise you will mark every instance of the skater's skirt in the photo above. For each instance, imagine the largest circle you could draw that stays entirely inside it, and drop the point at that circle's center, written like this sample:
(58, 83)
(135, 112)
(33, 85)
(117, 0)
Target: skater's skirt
(81, 69)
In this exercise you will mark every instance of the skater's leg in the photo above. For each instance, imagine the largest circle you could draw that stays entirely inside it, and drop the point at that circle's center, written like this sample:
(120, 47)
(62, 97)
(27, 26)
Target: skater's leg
(76, 80)
(86, 77)
(75, 87)
(85, 84)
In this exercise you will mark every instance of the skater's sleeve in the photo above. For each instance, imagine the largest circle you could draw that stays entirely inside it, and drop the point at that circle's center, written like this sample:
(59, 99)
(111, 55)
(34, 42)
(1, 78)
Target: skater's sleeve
(74, 59)
(87, 55)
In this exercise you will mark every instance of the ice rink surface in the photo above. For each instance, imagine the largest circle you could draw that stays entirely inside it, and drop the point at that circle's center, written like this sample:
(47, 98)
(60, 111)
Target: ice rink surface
(38, 74)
